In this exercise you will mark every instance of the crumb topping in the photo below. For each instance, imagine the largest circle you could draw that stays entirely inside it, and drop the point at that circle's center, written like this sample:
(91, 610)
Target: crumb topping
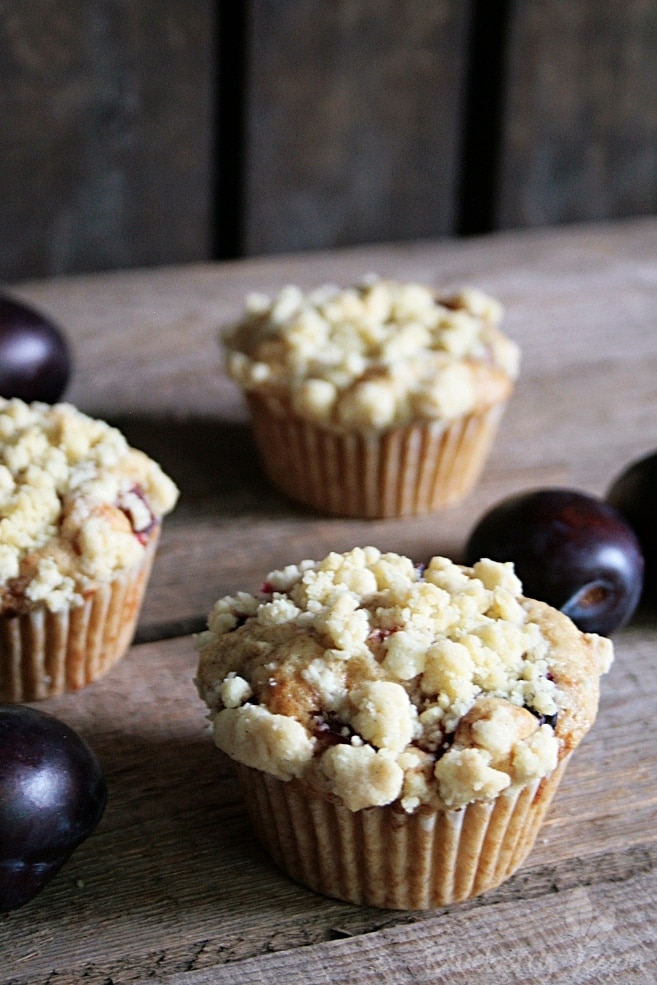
(376, 680)
(77, 504)
(375, 356)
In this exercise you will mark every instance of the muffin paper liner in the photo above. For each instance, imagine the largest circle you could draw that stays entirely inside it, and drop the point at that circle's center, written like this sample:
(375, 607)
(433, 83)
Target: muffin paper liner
(44, 653)
(411, 470)
(384, 857)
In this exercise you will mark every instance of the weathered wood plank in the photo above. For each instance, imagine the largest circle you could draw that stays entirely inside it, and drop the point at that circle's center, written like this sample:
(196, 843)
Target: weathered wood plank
(601, 937)
(354, 121)
(106, 135)
(147, 358)
(572, 296)
(171, 886)
(578, 138)
(172, 880)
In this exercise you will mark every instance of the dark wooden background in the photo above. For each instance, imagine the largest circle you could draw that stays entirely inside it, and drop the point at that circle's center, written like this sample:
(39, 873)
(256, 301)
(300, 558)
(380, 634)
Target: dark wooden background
(147, 132)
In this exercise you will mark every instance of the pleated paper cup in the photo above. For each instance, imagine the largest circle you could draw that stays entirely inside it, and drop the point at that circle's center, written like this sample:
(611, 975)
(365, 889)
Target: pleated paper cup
(384, 857)
(420, 468)
(44, 653)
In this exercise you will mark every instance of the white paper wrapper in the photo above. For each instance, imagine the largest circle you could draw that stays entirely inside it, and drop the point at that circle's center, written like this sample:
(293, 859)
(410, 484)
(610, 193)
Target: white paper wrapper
(411, 470)
(383, 857)
(43, 653)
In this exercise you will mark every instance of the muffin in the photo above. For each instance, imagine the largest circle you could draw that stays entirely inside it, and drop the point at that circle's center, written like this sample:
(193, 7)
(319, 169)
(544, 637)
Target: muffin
(380, 400)
(80, 516)
(398, 730)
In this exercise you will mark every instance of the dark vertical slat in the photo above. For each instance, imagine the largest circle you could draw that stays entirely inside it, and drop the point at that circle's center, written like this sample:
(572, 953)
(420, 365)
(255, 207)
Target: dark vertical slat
(354, 116)
(484, 108)
(579, 135)
(228, 211)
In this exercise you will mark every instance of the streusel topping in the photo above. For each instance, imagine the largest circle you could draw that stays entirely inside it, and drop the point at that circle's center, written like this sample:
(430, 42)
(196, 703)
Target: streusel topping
(77, 504)
(374, 356)
(375, 680)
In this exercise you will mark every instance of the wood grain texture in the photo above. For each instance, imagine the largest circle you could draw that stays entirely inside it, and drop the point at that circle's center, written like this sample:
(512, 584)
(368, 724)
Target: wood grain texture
(171, 887)
(578, 139)
(344, 123)
(105, 124)
(354, 121)
(173, 882)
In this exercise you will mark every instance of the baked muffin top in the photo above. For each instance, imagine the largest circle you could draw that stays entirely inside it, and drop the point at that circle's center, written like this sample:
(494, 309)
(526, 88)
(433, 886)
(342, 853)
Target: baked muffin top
(374, 356)
(375, 680)
(77, 504)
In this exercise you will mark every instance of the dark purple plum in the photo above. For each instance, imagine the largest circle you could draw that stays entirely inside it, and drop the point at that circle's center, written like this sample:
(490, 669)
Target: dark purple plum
(35, 361)
(634, 494)
(52, 796)
(571, 550)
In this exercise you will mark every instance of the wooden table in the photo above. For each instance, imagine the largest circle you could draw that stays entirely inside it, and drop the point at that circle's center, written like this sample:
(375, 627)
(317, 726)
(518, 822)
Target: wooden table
(171, 887)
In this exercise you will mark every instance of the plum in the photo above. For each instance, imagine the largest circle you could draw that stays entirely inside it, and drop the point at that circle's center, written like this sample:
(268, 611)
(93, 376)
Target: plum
(633, 492)
(571, 550)
(35, 360)
(52, 795)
